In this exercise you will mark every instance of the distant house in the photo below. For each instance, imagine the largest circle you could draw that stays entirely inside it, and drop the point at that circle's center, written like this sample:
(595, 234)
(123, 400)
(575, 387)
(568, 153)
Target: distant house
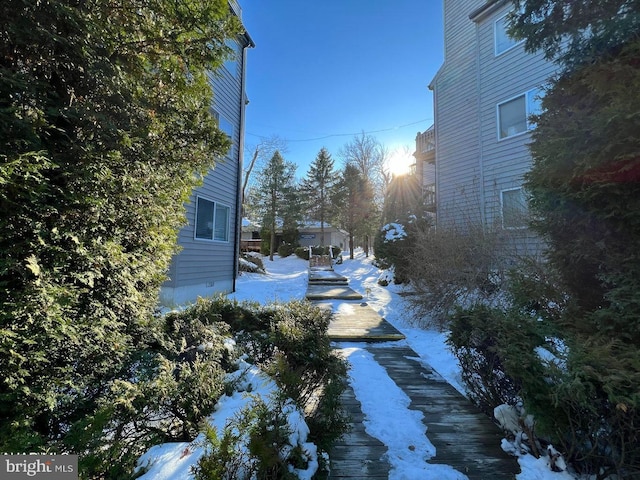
(310, 233)
(483, 95)
(207, 263)
(250, 237)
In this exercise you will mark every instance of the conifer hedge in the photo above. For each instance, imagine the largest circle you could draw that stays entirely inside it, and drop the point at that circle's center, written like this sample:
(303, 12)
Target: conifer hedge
(105, 129)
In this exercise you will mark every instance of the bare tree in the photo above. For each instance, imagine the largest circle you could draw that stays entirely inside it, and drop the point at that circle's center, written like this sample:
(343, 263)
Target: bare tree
(369, 156)
(262, 152)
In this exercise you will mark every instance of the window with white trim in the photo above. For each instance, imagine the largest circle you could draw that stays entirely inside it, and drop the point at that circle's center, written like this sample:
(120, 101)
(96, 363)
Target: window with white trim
(513, 203)
(212, 220)
(513, 115)
(503, 41)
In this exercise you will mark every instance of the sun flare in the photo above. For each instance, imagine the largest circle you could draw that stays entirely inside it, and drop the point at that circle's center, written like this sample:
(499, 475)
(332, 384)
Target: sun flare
(400, 162)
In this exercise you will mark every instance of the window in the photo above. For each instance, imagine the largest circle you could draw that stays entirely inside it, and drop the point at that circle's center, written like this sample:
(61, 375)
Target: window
(514, 208)
(231, 63)
(212, 220)
(223, 124)
(221, 230)
(228, 128)
(513, 115)
(503, 41)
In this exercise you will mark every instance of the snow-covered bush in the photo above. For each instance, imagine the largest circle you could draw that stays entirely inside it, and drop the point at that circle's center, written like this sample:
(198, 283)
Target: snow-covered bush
(387, 276)
(394, 242)
(289, 341)
(197, 372)
(251, 262)
(266, 439)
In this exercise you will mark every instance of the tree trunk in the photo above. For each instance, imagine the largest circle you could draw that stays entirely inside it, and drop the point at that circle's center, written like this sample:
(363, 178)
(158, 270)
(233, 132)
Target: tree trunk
(273, 241)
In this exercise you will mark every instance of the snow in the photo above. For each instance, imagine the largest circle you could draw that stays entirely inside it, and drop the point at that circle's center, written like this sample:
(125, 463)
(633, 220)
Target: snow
(407, 439)
(175, 461)
(382, 399)
(394, 231)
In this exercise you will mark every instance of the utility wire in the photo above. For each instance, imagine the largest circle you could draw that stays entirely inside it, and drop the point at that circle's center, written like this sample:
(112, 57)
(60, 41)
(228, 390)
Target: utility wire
(347, 134)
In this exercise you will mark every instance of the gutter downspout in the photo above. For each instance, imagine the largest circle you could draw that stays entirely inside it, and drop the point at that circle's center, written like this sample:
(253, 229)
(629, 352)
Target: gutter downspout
(479, 130)
(239, 199)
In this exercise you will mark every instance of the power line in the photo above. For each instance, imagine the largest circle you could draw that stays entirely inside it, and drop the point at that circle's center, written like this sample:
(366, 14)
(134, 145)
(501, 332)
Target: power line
(347, 134)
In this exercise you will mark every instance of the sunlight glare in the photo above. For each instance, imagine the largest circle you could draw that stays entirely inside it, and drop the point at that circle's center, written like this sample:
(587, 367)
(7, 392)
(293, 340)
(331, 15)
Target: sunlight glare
(400, 162)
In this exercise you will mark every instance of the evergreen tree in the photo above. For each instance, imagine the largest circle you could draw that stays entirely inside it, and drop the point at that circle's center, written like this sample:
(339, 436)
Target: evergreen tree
(403, 198)
(317, 189)
(584, 185)
(575, 32)
(274, 193)
(104, 130)
(354, 196)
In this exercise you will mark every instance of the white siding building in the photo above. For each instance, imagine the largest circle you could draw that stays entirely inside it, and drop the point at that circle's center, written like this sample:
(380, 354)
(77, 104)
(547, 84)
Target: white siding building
(207, 263)
(483, 95)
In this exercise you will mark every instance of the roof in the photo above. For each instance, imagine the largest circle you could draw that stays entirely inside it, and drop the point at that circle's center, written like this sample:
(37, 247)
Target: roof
(488, 8)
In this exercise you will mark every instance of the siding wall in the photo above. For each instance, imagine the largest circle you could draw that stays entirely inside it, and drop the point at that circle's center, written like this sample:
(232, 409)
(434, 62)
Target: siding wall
(203, 268)
(457, 119)
(472, 165)
(501, 78)
(504, 162)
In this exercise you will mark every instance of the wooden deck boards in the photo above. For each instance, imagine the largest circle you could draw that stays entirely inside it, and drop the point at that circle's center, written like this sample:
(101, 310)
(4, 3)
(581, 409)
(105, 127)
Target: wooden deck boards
(464, 437)
(358, 322)
(357, 455)
(326, 292)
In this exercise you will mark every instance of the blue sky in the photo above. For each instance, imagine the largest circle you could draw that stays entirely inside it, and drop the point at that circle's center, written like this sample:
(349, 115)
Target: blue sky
(325, 70)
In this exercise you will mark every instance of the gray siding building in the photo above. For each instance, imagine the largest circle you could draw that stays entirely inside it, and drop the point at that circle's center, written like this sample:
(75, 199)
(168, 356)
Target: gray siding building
(207, 263)
(483, 95)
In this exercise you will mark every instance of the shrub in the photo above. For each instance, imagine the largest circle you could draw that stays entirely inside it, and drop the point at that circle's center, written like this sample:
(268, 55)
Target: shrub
(285, 250)
(451, 267)
(519, 354)
(585, 203)
(266, 440)
(251, 262)
(391, 245)
(307, 370)
(178, 383)
(288, 341)
(474, 342)
(164, 394)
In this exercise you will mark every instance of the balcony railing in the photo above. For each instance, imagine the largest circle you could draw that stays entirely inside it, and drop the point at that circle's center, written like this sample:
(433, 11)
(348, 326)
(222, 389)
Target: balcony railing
(429, 195)
(426, 141)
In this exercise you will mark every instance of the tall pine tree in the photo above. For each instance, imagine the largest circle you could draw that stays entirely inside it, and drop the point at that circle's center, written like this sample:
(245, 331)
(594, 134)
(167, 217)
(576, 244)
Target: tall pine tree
(274, 193)
(317, 190)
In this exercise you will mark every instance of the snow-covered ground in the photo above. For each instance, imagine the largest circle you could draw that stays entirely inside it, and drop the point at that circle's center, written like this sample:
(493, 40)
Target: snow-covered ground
(286, 279)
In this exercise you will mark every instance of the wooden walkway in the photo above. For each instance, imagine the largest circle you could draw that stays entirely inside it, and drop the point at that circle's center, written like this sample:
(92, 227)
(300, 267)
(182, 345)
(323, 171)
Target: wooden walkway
(464, 437)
